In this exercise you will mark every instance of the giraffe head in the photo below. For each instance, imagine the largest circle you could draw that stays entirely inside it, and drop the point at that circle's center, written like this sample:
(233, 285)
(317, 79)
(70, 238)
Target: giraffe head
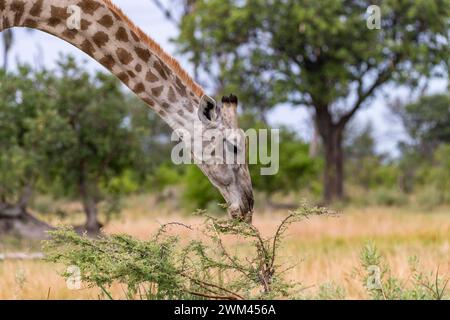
(226, 165)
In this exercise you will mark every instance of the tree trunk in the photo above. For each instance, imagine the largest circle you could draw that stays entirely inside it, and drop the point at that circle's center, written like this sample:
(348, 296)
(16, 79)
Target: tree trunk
(92, 226)
(90, 208)
(332, 136)
(16, 220)
(334, 168)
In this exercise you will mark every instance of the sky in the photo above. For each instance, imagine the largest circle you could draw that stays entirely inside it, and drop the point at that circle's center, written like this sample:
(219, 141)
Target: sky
(38, 48)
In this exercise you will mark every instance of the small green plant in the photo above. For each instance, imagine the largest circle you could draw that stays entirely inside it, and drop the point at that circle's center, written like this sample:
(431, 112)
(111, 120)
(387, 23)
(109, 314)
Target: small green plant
(330, 291)
(381, 284)
(245, 266)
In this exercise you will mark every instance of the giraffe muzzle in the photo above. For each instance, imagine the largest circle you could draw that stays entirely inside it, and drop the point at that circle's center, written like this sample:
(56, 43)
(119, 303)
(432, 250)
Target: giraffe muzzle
(243, 208)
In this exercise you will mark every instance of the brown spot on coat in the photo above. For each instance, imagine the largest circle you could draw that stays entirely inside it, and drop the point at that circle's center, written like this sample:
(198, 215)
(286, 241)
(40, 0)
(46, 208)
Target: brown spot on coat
(135, 36)
(139, 88)
(180, 87)
(151, 77)
(138, 68)
(36, 9)
(100, 39)
(165, 105)
(30, 23)
(122, 35)
(144, 54)
(70, 34)
(189, 108)
(18, 7)
(149, 101)
(160, 69)
(124, 56)
(85, 24)
(123, 77)
(172, 96)
(89, 6)
(58, 14)
(131, 73)
(157, 91)
(87, 47)
(108, 61)
(6, 23)
(2, 5)
(106, 21)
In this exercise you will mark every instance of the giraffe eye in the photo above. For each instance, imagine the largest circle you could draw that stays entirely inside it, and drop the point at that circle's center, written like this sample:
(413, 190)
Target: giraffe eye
(208, 111)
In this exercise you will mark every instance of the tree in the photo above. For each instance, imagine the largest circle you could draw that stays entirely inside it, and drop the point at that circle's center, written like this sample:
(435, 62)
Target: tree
(318, 54)
(85, 136)
(22, 97)
(427, 122)
(365, 166)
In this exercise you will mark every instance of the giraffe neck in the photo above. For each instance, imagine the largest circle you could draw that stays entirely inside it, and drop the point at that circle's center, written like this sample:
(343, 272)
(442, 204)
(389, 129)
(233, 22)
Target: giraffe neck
(109, 37)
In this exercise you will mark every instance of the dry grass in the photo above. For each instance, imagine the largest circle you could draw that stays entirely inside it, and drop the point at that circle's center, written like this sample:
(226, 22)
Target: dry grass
(325, 248)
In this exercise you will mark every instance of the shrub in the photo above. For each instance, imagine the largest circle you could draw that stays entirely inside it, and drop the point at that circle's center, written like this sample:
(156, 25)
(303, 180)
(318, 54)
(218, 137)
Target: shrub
(430, 197)
(380, 283)
(389, 197)
(205, 269)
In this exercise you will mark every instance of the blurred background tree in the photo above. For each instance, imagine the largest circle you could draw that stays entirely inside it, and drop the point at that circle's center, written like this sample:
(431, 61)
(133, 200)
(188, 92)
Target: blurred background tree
(317, 54)
(86, 136)
(23, 96)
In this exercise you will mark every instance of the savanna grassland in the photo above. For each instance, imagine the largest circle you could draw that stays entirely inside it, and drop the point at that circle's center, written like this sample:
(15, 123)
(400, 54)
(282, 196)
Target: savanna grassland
(325, 251)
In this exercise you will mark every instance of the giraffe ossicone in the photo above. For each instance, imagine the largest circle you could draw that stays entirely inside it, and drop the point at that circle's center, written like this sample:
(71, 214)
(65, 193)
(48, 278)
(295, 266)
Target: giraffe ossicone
(106, 34)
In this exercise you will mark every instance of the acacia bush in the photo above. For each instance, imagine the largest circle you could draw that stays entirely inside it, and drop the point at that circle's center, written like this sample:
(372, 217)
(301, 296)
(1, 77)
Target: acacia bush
(381, 284)
(226, 259)
(165, 267)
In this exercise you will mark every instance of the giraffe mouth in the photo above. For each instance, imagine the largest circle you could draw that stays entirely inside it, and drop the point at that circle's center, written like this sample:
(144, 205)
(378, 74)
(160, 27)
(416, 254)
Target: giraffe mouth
(243, 209)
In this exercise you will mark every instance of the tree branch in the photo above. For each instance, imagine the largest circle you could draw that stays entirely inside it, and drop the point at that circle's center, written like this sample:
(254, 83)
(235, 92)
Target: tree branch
(382, 77)
(165, 11)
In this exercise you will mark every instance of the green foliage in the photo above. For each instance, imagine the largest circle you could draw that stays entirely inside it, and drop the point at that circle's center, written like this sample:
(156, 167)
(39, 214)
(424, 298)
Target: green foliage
(297, 170)
(22, 97)
(206, 267)
(427, 121)
(388, 197)
(330, 291)
(165, 175)
(439, 173)
(198, 191)
(381, 284)
(364, 166)
(123, 184)
(84, 135)
(433, 178)
(68, 133)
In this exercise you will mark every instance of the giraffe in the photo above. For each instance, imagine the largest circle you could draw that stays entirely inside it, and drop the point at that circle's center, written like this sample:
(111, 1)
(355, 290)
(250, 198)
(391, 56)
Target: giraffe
(107, 35)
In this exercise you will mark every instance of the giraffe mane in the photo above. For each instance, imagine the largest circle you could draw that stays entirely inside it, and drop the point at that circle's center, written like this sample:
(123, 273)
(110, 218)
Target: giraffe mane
(171, 62)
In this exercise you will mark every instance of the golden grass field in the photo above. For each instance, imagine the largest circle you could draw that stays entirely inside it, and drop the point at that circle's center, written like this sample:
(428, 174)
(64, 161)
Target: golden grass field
(326, 249)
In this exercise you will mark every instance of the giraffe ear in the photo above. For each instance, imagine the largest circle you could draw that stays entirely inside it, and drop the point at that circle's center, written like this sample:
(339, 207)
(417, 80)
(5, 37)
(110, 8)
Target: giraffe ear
(208, 111)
